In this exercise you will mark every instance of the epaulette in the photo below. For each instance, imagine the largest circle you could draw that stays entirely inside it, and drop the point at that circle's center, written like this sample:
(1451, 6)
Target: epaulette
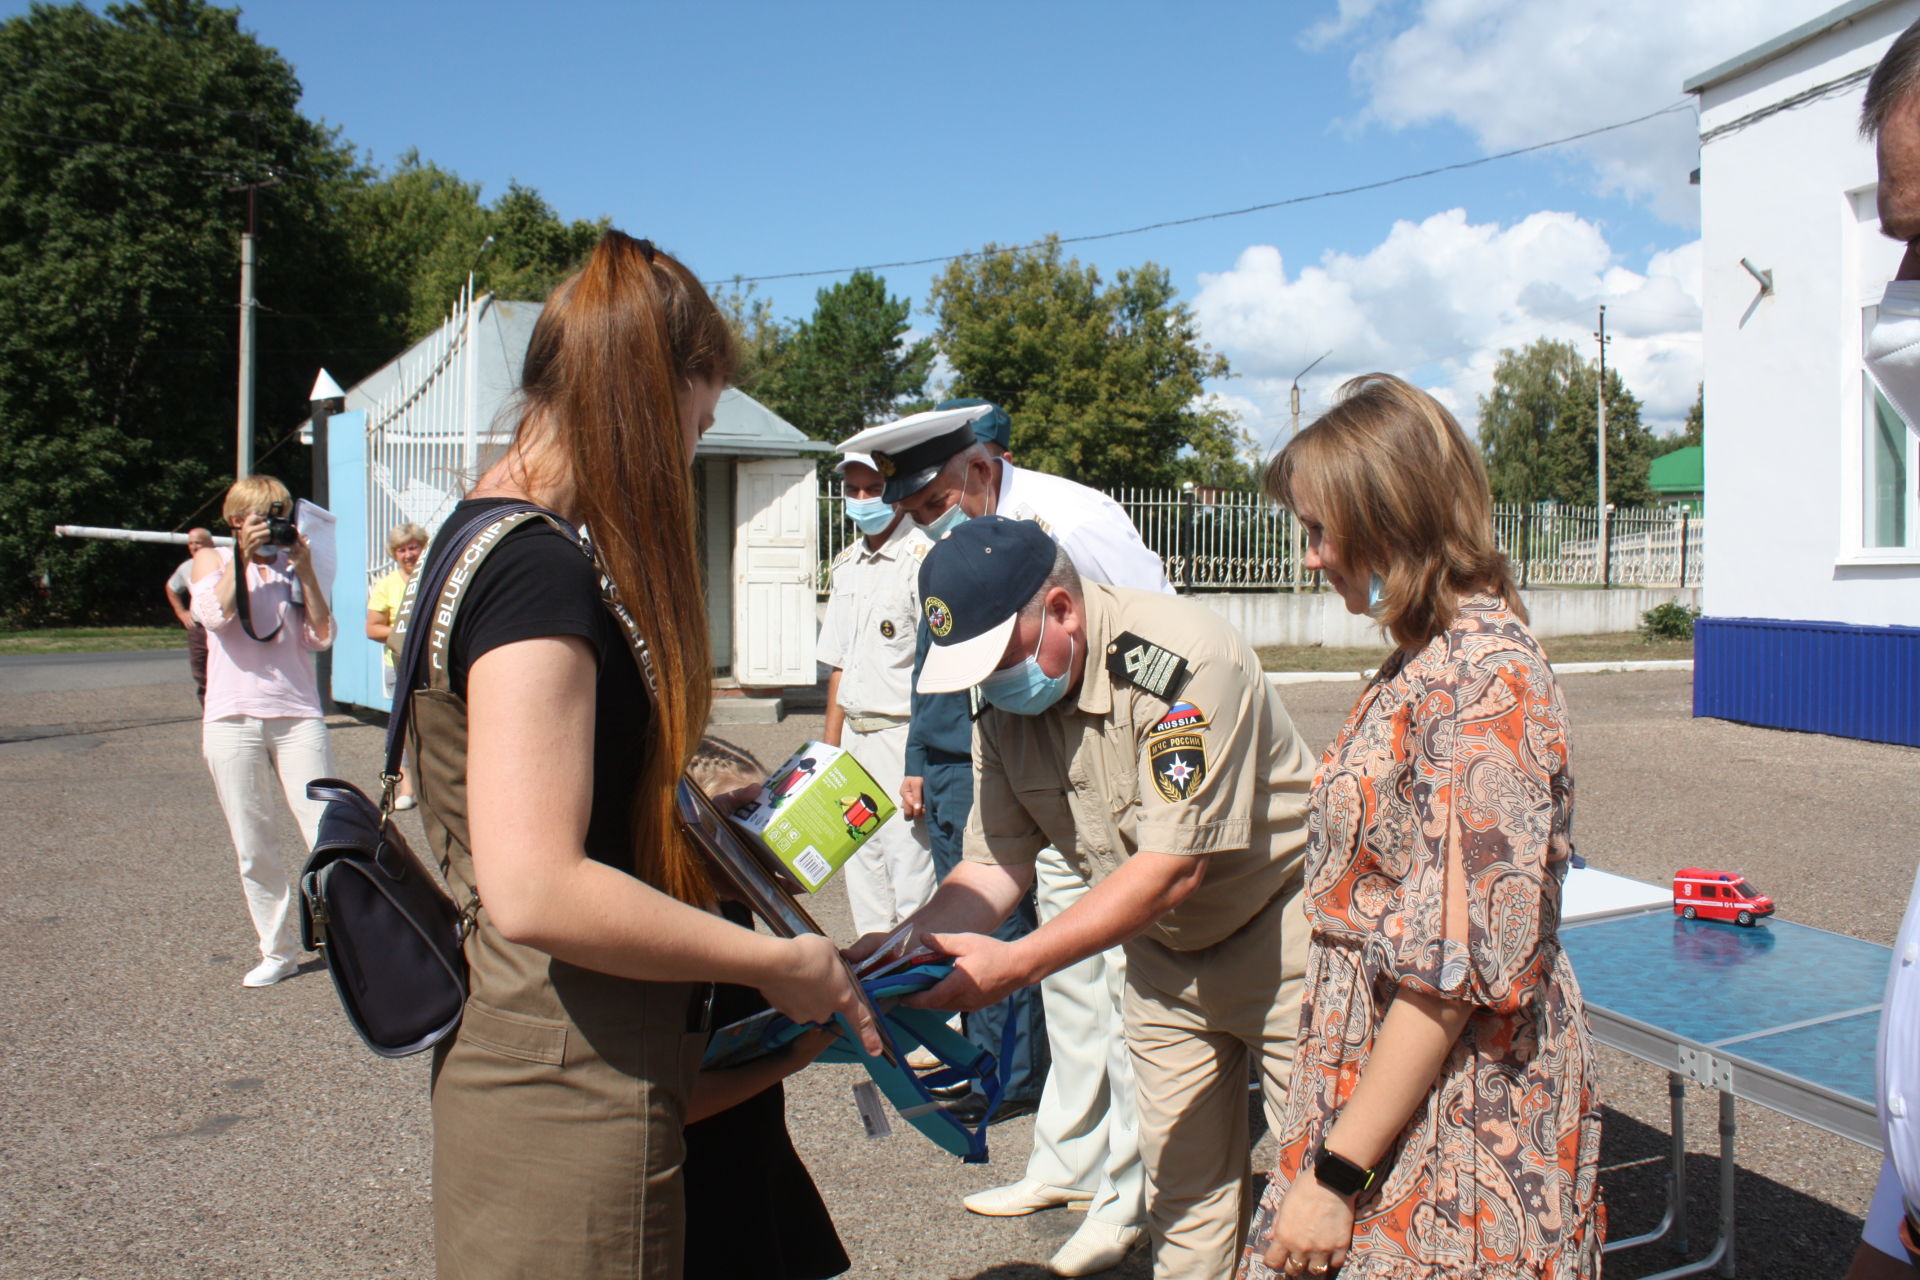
(846, 551)
(1146, 665)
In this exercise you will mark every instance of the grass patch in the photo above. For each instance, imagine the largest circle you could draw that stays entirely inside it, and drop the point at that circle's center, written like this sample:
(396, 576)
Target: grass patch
(91, 639)
(1625, 646)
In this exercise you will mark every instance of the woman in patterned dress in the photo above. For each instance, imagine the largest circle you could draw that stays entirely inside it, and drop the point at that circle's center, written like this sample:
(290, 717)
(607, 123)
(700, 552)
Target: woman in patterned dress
(1443, 1119)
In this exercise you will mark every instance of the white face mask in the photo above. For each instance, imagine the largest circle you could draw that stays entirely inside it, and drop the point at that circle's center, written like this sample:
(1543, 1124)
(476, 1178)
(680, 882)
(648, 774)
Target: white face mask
(1893, 350)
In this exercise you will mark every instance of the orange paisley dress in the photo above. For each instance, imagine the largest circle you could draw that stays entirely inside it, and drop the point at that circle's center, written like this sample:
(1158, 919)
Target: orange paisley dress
(1457, 751)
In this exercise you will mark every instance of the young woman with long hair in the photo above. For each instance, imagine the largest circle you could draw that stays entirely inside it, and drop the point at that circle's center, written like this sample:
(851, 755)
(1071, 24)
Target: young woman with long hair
(1443, 1118)
(546, 774)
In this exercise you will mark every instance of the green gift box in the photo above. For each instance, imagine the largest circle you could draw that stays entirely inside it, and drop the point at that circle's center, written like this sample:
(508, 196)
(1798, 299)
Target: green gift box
(814, 811)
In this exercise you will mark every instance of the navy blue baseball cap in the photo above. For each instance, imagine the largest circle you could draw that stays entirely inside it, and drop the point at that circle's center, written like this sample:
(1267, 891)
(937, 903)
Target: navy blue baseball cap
(991, 427)
(973, 585)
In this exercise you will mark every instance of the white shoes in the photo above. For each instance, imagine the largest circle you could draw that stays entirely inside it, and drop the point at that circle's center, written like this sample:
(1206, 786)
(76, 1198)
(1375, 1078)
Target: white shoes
(270, 971)
(1097, 1246)
(1020, 1198)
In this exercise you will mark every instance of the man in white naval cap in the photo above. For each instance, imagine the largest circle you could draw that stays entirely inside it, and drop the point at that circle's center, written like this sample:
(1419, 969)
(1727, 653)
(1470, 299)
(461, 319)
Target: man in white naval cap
(867, 638)
(944, 467)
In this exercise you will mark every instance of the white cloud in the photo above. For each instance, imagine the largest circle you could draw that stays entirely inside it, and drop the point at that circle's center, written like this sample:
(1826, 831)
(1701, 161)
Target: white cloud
(1516, 72)
(1437, 300)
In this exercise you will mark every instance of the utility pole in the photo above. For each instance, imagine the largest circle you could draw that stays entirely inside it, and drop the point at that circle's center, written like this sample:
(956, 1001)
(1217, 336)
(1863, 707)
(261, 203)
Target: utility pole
(1600, 447)
(1299, 543)
(243, 426)
(243, 430)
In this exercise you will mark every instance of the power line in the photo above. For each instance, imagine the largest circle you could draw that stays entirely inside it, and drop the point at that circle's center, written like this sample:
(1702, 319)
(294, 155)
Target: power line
(1227, 213)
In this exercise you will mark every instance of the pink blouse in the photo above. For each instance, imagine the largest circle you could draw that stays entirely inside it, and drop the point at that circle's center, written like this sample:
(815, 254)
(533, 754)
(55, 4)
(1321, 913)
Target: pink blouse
(248, 677)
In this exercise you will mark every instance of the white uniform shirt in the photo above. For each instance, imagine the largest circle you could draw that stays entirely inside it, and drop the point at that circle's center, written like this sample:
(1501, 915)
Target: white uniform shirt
(1092, 527)
(1900, 1054)
(871, 614)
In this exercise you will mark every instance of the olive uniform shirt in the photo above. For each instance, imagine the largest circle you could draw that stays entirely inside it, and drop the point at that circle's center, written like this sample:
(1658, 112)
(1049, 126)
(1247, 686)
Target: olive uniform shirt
(1214, 767)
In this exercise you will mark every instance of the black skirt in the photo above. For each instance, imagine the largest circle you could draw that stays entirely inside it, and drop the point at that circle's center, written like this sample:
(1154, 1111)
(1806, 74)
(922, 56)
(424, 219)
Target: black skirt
(753, 1211)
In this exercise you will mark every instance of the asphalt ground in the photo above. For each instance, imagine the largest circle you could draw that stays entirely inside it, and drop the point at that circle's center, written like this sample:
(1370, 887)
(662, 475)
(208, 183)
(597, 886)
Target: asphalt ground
(158, 1120)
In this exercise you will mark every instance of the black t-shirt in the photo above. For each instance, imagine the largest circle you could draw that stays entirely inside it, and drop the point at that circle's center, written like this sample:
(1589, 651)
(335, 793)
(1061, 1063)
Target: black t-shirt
(538, 582)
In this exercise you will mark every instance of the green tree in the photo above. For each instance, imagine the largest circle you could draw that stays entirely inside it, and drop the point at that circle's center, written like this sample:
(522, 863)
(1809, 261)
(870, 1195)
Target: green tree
(420, 229)
(763, 340)
(127, 140)
(1693, 432)
(848, 365)
(1104, 382)
(1539, 422)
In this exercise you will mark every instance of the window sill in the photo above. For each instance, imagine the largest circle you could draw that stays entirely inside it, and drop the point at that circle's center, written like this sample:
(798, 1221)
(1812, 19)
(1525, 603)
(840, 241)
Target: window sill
(1879, 557)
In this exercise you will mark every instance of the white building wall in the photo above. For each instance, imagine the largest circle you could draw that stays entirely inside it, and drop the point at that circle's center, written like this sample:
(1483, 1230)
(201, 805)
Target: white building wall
(1793, 193)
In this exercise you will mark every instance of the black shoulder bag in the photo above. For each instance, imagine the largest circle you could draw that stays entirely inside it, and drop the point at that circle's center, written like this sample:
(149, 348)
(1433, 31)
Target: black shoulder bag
(391, 936)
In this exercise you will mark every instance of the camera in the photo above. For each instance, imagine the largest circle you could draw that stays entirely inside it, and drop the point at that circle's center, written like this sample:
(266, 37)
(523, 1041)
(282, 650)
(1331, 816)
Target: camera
(280, 527)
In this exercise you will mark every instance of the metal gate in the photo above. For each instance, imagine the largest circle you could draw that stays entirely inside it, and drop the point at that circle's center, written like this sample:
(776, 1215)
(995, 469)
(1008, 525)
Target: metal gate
(423, 435)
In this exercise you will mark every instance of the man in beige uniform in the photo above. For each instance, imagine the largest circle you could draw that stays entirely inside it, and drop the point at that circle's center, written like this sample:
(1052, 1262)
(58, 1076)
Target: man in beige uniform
(1139, 734)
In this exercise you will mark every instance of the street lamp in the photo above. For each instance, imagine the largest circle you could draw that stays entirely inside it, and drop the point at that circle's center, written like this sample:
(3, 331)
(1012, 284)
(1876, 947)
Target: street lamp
(1294, 398)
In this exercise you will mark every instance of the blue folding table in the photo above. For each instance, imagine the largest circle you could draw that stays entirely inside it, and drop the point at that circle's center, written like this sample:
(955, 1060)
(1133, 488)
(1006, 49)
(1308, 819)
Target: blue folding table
(1779, 1014)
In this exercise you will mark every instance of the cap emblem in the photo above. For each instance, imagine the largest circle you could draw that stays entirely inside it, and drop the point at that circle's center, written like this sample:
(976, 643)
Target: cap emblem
(939, 617)
(884, 461)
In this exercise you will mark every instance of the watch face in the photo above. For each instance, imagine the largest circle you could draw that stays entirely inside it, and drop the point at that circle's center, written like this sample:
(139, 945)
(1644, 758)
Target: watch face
(1340, 1173)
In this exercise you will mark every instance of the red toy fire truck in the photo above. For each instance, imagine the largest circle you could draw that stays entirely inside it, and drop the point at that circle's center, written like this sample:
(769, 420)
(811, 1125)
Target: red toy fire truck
(1700, 894)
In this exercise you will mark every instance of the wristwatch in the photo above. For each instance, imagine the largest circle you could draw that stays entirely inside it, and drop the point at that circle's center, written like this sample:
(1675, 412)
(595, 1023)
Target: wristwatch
(1340, 1174)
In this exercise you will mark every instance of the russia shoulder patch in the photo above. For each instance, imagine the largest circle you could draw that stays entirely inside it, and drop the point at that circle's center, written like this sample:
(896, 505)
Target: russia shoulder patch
(1181, 716)
(1146, 665)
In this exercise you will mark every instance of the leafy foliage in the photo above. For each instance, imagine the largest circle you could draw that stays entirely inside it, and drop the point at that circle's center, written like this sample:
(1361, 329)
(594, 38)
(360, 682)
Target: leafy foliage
(1669, 621)
(1695, 430)
(762, 338)
(1103, 381)
(122, 139)
(1539, 423)
(128, 144)
(848, 365)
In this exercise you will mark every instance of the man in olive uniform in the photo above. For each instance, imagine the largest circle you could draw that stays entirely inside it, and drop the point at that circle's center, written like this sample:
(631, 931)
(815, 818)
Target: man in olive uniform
(1138, 734)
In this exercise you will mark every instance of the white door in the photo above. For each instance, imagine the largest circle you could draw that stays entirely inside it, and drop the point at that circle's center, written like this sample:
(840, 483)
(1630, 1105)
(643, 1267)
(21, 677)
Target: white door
(776, 535)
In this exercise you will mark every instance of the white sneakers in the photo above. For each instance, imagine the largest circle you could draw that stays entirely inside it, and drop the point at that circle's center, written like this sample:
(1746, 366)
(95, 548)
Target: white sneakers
(270, 971)
(1020, 1198)
(1097, 1246)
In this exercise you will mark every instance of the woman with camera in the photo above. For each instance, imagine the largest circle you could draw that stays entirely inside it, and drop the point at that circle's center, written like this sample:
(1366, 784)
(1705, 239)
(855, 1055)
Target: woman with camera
(262, 723)
(1443, 1118)
(545, 774)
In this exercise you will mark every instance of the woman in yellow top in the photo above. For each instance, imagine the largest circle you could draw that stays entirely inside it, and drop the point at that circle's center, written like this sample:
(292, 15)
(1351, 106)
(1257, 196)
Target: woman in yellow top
(405, 542)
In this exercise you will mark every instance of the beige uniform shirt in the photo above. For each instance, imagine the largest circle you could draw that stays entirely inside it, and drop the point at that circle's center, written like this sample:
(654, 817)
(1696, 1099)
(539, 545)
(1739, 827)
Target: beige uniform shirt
(1218, 769)
(868, 630)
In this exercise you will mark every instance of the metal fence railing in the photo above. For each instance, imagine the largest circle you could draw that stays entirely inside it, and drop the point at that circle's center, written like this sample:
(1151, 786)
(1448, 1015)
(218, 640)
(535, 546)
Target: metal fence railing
(1560, 546)
(1224, 540)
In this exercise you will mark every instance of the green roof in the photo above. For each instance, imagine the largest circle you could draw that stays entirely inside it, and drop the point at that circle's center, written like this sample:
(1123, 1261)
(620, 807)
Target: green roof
(1682, 471)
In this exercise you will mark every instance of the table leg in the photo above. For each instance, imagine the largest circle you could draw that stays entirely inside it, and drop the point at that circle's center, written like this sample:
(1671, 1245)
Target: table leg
(1722, 1255)
(1674, 1221)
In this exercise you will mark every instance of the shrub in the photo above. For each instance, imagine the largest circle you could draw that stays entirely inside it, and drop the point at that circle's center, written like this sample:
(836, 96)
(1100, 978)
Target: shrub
(1669, 621)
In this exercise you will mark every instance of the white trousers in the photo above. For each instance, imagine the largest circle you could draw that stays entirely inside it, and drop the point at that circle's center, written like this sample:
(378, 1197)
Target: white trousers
(890, 876)
(1085, 1134)
(244, 753)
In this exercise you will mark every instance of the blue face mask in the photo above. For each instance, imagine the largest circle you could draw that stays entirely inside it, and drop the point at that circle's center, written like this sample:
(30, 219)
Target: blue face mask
(869, 515)
(953, 517)
(1376, 595)
(1025, 689)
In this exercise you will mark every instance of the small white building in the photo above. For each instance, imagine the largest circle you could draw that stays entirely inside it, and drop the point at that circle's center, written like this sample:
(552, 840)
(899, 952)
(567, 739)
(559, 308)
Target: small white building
(1812, 610)
(419, 430)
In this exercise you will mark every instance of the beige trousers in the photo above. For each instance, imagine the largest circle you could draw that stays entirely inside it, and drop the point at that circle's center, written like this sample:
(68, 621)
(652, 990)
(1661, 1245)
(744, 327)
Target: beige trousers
(1199, 1024)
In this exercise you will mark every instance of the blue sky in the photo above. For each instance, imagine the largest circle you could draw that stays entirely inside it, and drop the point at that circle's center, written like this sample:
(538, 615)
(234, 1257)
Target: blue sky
(761, 138)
